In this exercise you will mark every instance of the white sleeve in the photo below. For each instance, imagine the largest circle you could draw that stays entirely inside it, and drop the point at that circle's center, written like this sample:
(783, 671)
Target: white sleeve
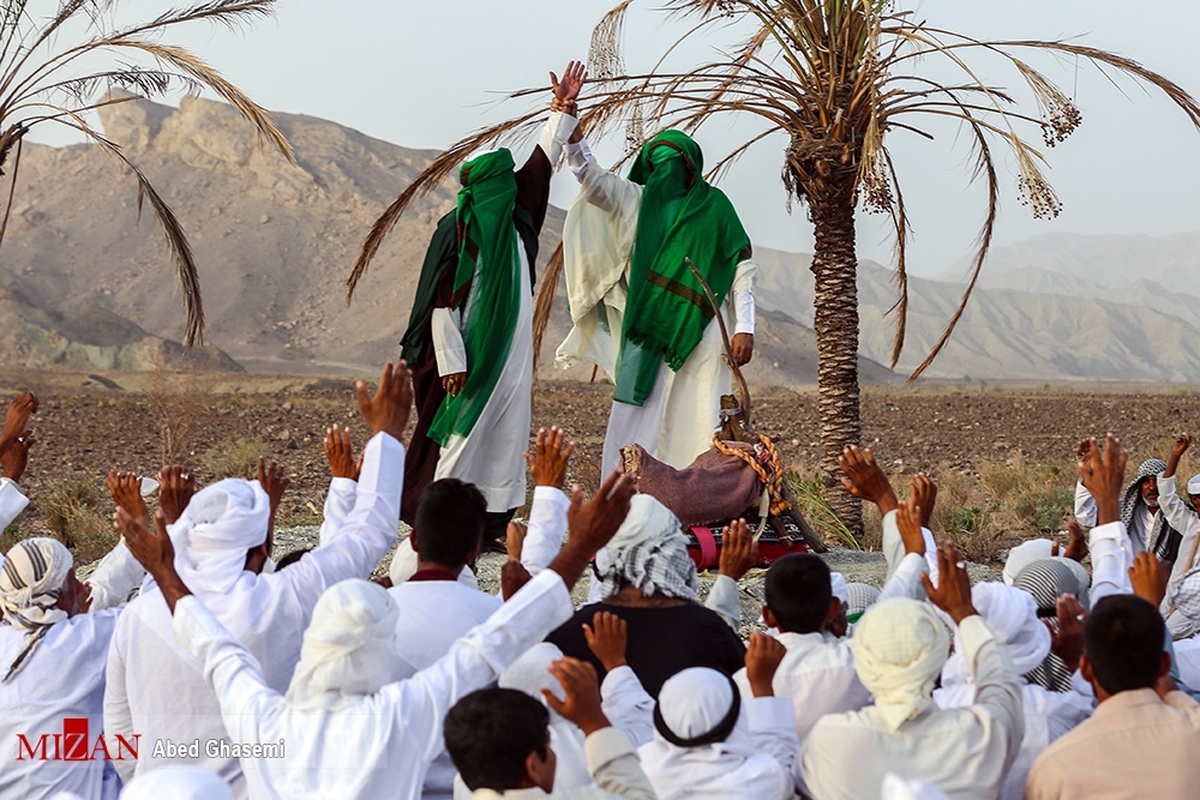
(580, 158)
(547, 525)
(338, 505)
(1085, 506)
(726, 601)
(906, 580)
(742, 296)
(554, 137)
(448, 343)
(615, 767)
(894, 552)
(998, 688)
(1110, 563)
(12, 501)
(603, 188)
(117, 574)
(1184, 520)
(773, 729)
(627, 705)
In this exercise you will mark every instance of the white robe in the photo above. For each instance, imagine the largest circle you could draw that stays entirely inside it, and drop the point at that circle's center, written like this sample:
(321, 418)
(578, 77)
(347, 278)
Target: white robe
(158, 689)
(678, 419)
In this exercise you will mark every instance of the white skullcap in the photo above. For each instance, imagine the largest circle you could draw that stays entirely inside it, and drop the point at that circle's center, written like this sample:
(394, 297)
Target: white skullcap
(177, 783)
(900, 646)
(1193, 485)
(1025, 554)
(837, 582)
(219, 525)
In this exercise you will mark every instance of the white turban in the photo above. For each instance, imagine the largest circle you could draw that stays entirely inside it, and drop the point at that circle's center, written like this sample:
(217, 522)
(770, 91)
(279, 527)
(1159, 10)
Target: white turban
(691, 704)
(1193, 485)
(841, 590)
(219, 525)
(1025, 554)
(1011, 616)
(177, 783)
(31, 579)
(896, 788)
(900, 646)
(649, 551)
(349, 647)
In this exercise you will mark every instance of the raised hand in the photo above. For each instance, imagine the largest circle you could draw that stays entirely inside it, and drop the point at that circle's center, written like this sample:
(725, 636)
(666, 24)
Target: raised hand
(340, 454)
(864, 478)
(763, 658)
(15, 457)
(275, 482)
(1103, 474)
(126, 491)
(387, 412)
(513, 576)
(739, 551)
(592, 525)
(176, 485)
(1077, 546)
(574, 76)
(514, 540)
(607, 637)
(1149, 578)
(155, 552)
(908, 520)
(16, 418)
(924, 493)
(953, 592)
(582, 704)
(1177, 450)
(1067, 641)
(548, 462)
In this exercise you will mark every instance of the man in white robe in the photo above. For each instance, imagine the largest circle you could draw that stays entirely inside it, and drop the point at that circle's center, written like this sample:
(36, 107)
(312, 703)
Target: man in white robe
(1184, 519)
(345, 728)
(676, 421)
(157, 688)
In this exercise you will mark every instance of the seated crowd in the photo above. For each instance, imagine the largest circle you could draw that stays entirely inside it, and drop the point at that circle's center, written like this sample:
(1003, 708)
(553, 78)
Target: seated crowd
(231, 675)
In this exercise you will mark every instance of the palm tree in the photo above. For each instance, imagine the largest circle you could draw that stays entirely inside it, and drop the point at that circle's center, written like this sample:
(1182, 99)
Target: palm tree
(837, 77)
(50, 74)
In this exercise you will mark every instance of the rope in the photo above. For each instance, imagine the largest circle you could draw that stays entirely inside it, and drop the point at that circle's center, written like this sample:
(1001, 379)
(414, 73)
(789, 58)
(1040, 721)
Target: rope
(772, 480)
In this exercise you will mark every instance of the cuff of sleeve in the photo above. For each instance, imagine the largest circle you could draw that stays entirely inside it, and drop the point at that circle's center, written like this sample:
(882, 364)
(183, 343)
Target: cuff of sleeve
(1166, 485)
(1108, 532)
(606, 746)
(343, 485)
(551, 494)
(615, 678)
(973, 633)
(769, 713)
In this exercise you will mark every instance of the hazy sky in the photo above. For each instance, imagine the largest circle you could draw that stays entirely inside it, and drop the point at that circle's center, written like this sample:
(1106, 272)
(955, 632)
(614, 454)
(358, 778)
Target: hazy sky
(423, 74)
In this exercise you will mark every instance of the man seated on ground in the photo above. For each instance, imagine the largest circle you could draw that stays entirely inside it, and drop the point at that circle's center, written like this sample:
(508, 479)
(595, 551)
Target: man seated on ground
(158, 689)
(499, 740)
(1184, 519)
(349, 732)
(900, 646)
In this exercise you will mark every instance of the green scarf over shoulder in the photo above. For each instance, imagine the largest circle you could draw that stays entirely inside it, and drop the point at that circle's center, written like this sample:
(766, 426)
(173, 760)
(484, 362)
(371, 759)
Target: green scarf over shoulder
(681, 216)
(487, 238)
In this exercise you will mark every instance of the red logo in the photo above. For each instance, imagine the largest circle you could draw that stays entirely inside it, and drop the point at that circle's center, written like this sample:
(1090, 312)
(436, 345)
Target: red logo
(75, 744)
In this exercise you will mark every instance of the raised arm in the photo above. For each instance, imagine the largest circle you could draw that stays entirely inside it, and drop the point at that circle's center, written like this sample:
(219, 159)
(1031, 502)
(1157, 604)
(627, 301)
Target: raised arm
(739, 554)
(905, 581)
(548, 464)
(343, 483)
(1102, 474)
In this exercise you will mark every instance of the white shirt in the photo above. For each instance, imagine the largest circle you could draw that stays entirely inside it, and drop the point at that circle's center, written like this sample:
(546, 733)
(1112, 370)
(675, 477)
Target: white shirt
(380, 746)
(158, 689)
(63, 678)
(1184, 520)
(965, 752)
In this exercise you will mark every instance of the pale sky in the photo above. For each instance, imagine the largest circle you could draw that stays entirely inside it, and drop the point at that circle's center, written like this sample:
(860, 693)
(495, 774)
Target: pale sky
(422, 74)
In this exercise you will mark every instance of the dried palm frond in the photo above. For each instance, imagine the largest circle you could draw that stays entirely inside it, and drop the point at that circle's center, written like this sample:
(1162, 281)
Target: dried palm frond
(543, 304)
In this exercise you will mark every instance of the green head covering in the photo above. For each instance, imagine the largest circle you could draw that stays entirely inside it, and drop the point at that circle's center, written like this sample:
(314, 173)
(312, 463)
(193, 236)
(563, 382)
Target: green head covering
(487, 240)
(681, 216)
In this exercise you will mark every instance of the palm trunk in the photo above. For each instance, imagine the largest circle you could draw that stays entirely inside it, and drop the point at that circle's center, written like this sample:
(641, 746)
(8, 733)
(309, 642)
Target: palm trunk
(835, 269)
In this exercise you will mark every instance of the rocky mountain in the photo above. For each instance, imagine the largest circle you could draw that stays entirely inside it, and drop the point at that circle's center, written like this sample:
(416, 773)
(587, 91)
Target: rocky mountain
(274, 242)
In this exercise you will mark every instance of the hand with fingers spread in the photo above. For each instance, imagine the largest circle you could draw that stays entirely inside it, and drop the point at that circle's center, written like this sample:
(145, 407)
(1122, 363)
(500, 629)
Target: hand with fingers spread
(607, 637)
(16, 419)
(387, 410)
(15, 457)
(1103, 475)
(1067, 640)
(1077, 546)
(924, 493)
(592, 525)
(176, 485)
(340, 454)
(566, 90)
(739, 551)
(908, 520)
(953, 592)
(274, 482)
(763, 657)
(548, 462)
(1177, 450)
(865, 479)
(1149, 578)
(582, 704)
(126, 491)
(513, 576)
(155, 552)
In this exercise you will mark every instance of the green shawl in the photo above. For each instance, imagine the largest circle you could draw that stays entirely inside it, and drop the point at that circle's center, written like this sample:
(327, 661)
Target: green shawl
(487, 237)
(681, 216)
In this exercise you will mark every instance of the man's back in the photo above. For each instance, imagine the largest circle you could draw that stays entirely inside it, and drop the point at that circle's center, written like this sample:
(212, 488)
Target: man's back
(1135, 745)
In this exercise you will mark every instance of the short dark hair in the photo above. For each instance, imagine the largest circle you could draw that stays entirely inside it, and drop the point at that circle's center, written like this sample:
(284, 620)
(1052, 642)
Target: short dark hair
(490, 733)
(450, 521)
(292, 558)
(1123, 640)
(798, 591)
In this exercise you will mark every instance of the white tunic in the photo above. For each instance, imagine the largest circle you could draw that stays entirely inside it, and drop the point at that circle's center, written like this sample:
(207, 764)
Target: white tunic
(158, 689)
(678, 419)
(380, 745)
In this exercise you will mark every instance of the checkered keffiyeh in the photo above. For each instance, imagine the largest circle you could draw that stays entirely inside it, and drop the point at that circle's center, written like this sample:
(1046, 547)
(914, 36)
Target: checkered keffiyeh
(1162, 540)
(649, 551)
(30, 581)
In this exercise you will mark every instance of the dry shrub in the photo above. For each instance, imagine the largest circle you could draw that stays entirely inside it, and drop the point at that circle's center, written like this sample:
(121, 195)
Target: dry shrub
(77, 512)
(235, 457)
(178, 401)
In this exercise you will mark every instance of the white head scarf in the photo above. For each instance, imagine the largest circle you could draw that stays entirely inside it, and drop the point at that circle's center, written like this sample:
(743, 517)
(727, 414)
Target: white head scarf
(349, 648)
(900, 646)
(693, 703)
(649, 551)
(219, 525)
(1011, 616)
(1193, 485)
(1025, 554)
(530, 674)
(177, 783)
(31, 578)
(404, 566)
(841, 590)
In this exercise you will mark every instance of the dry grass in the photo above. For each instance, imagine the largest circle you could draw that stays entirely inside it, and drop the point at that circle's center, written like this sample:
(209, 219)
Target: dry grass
(178, 399)
(236, 457)
(77, 512)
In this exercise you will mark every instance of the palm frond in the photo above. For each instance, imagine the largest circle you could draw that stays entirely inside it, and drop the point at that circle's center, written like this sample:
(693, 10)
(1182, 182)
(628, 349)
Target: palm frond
(543, 305)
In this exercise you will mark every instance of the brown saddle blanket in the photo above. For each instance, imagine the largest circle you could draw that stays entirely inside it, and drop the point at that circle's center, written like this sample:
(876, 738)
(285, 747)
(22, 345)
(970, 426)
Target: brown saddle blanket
(714, 487)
